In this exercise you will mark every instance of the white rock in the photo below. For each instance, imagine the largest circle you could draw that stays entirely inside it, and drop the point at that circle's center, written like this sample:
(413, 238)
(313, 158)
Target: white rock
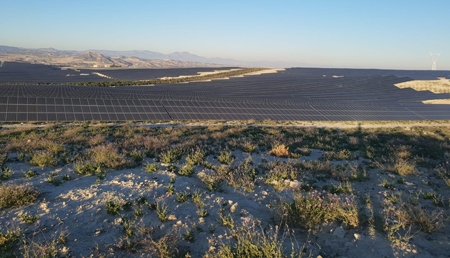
(172, 217)
(201, 220)
(264, 193)
(294, 184)
(179, 223)
(233, 207)
(358, 237)
(339, 232)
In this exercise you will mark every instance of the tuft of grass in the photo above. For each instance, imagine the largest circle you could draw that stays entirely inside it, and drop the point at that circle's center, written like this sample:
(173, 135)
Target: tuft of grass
(43, 159)
(162, 212)
(182, 197)
(5, 173)
(113, 207)
(170, 156)
(8, 241)
(280, 151)
(151, 167)
(404, 167)
(196, 157)
(28, 218)
(17, 195)
(186, 170)
(313, 208)
(30, 174)
(226, 157)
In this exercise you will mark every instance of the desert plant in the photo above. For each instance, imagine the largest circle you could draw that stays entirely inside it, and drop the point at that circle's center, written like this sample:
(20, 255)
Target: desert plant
(404, 167)
(17, 195)
(151, 167)
(162, 212)
(8, 240)
(30, 174)
(313, 208)
(28, 218)
(5, 173)
(113, 207)
(170, 156)
(186, 170)
(43, 159)
(196, 157)
(226, 157)
(280, 151)
(182, 196)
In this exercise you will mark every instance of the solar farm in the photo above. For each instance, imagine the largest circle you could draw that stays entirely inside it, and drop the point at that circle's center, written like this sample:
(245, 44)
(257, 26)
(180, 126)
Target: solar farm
(306, 94)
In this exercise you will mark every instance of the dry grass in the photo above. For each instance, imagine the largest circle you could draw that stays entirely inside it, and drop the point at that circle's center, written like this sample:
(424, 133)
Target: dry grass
(280, 151)
(17, 195)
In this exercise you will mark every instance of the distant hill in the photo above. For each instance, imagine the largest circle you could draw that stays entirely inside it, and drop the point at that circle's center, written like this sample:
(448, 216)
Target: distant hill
(94, 59)
(132, 58)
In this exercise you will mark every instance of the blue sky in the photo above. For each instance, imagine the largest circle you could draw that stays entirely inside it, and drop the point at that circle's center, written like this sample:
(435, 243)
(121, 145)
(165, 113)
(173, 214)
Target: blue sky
(330, 33)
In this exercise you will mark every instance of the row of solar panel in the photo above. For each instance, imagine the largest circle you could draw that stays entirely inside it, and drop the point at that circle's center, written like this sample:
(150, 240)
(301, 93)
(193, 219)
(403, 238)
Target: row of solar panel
(24, 117)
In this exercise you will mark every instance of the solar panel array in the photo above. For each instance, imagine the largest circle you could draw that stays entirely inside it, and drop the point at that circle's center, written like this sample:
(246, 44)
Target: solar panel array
(293, 94)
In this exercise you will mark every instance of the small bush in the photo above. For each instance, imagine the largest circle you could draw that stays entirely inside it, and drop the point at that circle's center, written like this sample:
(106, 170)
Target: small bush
(17, 195)
(226, 157)
(170, 156)
(151, 167)
(107, 156)
(8, 241)
(30, 174)
(182, 197)
(5, 173)
(186, 170)
(162, 212)
(43, 159)
(196, 158)
(404, 167)
(28, 218)
(313, 208)
(280, 151)
(113, 208)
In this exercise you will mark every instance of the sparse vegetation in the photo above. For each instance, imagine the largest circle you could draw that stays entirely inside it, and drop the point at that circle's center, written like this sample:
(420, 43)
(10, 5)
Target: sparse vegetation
(17, 195)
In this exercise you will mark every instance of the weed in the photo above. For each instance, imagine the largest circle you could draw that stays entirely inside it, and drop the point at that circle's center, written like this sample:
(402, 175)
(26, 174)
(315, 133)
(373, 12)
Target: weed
(113, 208)
(226, 220)
(28, 218)
(30, 174)
(162, 212)
(196, 158)
(313, 208)
(388, 185)
(170, 156)
(17, 195)
(202, 212)
(189, 235)
(186, 170)
(226, 157)
(280, 151)
(404, 167)
(182, 197)
(8, 240)
(170, 189)
(54, 180)
(43, 159)
(139, 212)
(151, 167)
(5, 173)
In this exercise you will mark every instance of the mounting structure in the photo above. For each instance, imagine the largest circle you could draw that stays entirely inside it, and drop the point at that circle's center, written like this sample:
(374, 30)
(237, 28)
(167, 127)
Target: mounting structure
(434, 57)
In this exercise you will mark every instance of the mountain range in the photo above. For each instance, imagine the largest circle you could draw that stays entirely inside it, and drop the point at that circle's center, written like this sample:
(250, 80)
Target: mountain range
(132, 58)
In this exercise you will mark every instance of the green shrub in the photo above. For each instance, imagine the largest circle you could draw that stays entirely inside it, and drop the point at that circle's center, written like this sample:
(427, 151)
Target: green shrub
(196, 158)
(17, 195)
(8, 241)
(30, 174)
(313, 208)
(186, 170)
(113, 207)
(226, 157)
(170, 156)
(5, 173)
(43, 159)
(151, 167)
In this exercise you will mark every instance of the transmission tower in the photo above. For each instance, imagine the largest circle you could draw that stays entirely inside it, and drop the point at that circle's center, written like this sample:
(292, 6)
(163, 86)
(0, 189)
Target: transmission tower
(434, 57)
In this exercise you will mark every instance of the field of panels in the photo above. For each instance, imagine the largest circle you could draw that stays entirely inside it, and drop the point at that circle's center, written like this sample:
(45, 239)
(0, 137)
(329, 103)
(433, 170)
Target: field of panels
(293, 94)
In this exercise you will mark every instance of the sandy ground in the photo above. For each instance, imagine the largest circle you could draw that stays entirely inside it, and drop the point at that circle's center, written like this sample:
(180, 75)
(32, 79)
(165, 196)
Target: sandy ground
(268, 70)
(437, 101)
(78, 206)
(435, 86)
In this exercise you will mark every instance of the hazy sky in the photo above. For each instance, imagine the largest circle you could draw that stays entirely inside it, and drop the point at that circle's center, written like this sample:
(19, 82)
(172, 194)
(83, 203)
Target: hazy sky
(361, 33)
